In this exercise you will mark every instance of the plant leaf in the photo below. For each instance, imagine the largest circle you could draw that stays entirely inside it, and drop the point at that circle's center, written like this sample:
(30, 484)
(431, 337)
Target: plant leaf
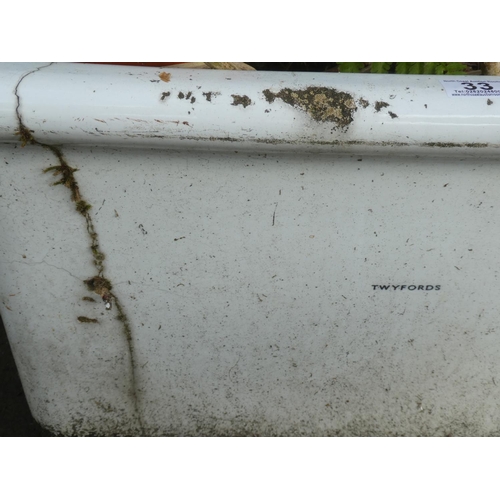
(403, 68)
(351, 67)
(410, 68)
(381, 67)
(417, 68)
(430, 68)
(455, 68)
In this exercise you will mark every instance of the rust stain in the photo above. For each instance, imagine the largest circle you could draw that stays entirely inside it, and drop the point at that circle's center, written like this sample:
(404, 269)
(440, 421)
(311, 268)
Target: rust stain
(164, 76)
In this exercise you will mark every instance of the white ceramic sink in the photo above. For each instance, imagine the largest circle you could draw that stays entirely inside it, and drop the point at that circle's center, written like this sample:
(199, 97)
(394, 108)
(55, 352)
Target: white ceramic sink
(264, 253)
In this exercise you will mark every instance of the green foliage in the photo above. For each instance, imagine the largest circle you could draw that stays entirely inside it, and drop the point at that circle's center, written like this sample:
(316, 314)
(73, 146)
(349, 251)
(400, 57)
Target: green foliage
(351, 67)
(409, 68)
(406, 68)
(455, 68)
(381, 67)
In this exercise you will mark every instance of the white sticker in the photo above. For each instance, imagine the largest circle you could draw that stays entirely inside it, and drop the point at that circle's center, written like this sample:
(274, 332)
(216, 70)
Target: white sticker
(472, 88)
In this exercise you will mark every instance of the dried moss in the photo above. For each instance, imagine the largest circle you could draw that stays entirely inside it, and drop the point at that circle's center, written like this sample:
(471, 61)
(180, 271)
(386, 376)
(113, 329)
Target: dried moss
(208, 95)
(322, 104)
(242, 100)
(97, 284)
(25, 135)
(82, 206)
(379, 105)
(84, 319)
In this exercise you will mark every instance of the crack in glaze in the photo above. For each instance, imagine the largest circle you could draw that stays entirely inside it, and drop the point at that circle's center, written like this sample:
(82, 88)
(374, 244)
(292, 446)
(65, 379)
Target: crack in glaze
(98, 284)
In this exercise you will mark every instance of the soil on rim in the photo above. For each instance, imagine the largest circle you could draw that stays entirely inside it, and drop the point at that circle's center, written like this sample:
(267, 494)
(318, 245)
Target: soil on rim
(322, 104)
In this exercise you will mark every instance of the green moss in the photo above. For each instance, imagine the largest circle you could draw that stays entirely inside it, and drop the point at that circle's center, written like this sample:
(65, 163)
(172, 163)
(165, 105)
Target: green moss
(82, 206)
(97, 284)
(25, 135)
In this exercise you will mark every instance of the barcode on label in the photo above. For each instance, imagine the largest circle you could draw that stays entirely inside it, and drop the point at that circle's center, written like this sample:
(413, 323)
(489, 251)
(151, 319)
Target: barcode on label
(471, 88)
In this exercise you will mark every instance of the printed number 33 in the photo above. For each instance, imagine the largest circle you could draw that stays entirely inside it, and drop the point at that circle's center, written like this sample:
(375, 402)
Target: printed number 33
(481, 85)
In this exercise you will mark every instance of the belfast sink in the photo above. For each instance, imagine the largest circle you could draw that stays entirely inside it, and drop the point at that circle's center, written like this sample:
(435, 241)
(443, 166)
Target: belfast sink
(198, 252)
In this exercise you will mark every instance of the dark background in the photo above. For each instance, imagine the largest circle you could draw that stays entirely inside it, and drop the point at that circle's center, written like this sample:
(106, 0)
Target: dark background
(15, 415)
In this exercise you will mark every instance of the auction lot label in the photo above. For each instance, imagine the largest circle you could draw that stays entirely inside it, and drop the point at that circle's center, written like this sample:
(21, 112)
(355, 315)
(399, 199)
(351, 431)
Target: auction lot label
(471, 88)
